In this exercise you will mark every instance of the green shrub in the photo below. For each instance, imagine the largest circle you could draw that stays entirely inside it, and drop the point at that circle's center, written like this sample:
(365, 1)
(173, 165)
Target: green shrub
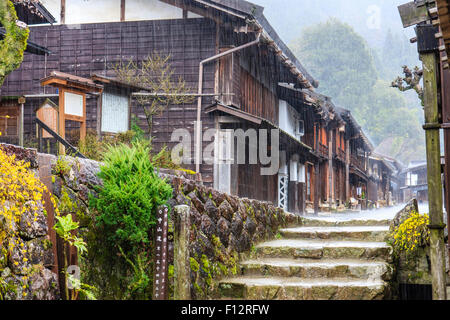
(94, 148)
(131, 192)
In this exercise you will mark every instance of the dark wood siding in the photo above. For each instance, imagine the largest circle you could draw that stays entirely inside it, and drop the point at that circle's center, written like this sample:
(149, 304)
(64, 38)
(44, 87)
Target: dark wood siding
(257, 99)
(86, 49)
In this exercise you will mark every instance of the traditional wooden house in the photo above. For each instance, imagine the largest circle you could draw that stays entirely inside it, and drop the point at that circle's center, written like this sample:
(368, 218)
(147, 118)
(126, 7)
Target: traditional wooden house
(381, 189)
(329, 147)
(359, 147)
(414, 184)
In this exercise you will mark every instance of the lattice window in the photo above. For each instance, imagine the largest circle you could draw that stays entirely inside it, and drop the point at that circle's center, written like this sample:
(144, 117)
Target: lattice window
(9, 121)
(283, 190)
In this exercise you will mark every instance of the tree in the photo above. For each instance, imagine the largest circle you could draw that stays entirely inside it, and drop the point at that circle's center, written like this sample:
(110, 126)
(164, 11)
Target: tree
(156, 76)
(14, 43)
(340, 59)
(412, 80)
(351, 74)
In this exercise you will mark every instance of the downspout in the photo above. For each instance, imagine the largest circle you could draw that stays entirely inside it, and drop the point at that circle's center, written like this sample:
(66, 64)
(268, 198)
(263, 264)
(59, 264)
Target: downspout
(200, 95)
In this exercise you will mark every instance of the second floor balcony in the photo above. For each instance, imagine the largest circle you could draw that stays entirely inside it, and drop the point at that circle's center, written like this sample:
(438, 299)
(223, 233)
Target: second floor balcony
(358, 162)
(323, 150)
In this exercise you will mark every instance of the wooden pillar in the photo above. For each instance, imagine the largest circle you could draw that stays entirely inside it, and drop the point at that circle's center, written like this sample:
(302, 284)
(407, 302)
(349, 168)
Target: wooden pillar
(330, 169)
(99, 114)
(432, 127)
(122, 10)
(83, 123)
(316, 169)
(62, 121)
(63, 12)
(293, 197)
(21, 120)
(347, 170)
(445, 90)
(316, 187)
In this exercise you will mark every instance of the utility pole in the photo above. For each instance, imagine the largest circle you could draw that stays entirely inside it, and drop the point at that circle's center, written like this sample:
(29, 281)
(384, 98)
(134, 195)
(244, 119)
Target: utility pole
(432, 126)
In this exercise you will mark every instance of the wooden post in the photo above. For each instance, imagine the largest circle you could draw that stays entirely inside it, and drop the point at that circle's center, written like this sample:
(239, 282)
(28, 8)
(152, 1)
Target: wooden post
(347, 170)
(330, 170)
(40, 142)
(83, 122)
(182, 274)
(437, 225)
(316, 171)
(122, 10)
(21, 125)
(99, 115)
(62, 121)
(63, 11)
(445, 89)
(316, 187)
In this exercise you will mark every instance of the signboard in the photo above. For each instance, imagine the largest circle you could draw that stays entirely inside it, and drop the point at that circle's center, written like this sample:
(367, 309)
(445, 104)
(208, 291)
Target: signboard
(73, 104)
(160, 284)
(413, 13)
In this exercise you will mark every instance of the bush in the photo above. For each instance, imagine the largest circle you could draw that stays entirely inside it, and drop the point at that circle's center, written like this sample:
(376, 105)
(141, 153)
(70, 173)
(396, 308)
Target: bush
(131, 192)
(94, 148)
(412, 234)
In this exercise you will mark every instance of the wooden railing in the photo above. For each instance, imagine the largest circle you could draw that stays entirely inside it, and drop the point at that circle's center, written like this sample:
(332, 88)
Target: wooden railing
(357, 162)
(341, 154)
(42, 126)
(323, 150)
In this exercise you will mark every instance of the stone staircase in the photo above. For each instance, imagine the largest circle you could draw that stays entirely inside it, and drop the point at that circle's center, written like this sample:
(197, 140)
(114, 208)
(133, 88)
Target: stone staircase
(325, 259)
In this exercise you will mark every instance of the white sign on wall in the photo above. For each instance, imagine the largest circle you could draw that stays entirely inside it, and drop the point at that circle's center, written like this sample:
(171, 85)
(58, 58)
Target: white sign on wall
(73, 104)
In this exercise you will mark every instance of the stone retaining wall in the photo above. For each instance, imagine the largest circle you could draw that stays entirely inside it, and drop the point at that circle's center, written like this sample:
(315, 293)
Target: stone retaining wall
(224, 228)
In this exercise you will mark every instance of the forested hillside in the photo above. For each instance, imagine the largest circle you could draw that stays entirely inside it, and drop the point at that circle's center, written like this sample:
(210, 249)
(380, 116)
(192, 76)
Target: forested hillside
(355, 49)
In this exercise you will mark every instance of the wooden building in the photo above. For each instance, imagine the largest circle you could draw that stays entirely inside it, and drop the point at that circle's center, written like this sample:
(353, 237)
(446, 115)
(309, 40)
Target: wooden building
(382, 184)
(244, 78)
(414, 184)
(359, 148)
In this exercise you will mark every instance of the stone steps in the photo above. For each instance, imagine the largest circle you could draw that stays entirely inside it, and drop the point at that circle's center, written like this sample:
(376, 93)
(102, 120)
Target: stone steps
(337, 221)
(292, 288)
(330, 258)
(308, 268)
(322, 249)
(364, 233)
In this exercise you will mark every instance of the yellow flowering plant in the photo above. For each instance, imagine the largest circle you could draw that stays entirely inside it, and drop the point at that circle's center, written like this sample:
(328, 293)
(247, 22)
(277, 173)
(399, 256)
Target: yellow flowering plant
(21, 191)
(412, 234)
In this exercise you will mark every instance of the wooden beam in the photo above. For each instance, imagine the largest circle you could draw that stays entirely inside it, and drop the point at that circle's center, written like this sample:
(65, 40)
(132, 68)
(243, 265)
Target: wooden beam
(54, 82)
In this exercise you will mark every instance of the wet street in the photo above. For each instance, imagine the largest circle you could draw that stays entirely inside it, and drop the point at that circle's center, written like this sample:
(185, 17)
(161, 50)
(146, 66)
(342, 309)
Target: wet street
(379, 214)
